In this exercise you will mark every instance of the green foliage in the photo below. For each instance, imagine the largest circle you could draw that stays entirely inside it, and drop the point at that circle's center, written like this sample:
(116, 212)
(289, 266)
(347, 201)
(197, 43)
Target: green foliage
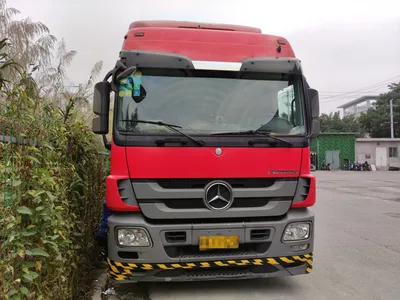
(58, 190)
(333, 123)
(376, 120)
(51, 187)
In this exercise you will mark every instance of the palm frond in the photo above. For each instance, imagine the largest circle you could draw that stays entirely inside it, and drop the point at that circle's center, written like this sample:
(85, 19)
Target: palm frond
(68, 57)
(95, 72)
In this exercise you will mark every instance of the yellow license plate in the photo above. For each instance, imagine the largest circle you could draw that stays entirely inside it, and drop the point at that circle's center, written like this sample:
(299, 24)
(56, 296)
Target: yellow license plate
(219, 242)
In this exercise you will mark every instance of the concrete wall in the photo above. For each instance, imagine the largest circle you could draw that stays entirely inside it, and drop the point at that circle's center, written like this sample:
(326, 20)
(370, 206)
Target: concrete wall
(365, 148)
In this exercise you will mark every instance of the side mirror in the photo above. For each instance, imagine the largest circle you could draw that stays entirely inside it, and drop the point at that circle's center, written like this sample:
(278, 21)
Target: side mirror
(101, 107)
(313, 96)
(316, 128)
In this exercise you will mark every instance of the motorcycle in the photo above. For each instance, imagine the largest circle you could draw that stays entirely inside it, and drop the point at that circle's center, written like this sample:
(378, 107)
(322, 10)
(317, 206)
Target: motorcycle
(325, 167)
(357, 166)
(366, 166)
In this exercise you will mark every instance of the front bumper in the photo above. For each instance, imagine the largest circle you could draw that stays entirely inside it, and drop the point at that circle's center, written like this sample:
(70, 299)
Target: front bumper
(155, 263)
(212, 270)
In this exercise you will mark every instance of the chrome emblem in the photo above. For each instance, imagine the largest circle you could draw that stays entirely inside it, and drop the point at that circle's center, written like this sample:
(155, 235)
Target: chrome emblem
(218, 151)
(283, 172)
(218, 196)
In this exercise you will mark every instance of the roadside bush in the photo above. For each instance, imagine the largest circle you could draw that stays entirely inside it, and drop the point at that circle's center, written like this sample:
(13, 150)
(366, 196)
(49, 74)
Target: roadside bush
(51, 193)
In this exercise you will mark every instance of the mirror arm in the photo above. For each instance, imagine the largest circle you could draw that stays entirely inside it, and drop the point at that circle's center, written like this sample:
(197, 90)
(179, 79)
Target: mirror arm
(119, 67)
(112, 73)
(106, 143)
(109, 74)
(119, 71)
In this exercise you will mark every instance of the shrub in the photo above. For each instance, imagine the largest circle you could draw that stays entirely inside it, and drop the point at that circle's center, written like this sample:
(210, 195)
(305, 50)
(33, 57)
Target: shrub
(51, 193)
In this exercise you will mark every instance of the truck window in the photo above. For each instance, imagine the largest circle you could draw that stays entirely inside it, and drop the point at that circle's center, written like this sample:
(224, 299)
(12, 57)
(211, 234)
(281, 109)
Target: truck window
(285, 98)
(206, 102)
(288, 107)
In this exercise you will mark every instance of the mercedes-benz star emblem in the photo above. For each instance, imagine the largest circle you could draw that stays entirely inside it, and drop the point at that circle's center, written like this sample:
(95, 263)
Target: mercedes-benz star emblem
(218, 196)
(218, 151)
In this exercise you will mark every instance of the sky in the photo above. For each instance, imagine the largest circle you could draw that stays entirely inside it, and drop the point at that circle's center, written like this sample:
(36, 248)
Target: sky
(348, 48)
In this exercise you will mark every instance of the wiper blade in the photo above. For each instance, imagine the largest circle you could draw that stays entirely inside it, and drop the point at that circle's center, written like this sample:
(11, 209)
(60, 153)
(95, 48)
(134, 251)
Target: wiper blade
(173, 127)
(153, 122)
(254, 132)
(268, 134)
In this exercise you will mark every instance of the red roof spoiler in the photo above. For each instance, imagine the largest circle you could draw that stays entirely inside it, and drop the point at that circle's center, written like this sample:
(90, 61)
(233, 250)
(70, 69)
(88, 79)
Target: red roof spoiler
(194, 25)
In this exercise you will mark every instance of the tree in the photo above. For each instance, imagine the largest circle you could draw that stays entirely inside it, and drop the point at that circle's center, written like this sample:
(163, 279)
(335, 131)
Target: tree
(43, 61)
(376, 120)
(5, 63)
(333, 123)
(30, 43)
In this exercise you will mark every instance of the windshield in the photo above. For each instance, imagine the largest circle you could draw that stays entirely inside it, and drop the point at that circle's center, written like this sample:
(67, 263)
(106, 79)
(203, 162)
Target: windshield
(209, 102)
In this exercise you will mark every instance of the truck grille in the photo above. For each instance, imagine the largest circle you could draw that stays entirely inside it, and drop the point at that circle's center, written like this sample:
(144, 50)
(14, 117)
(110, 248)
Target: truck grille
(193, 252)
(184, 198)
(199, 203)
(175, 236)
(259, 234)
(200, 183)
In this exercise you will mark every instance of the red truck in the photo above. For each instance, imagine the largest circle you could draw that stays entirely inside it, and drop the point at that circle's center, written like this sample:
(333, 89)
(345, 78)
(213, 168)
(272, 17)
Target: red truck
(210, 154)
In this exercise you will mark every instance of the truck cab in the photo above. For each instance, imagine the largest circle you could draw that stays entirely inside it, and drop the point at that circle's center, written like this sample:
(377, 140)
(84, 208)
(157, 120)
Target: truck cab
(210, 154)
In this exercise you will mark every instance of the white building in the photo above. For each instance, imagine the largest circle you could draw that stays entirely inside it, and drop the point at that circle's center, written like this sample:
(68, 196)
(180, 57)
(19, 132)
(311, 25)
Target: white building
(381, 152)
(359, 105)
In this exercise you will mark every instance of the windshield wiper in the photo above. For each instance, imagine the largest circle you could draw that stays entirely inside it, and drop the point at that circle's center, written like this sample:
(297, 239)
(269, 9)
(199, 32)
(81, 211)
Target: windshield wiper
(173, 127)
(255, 132)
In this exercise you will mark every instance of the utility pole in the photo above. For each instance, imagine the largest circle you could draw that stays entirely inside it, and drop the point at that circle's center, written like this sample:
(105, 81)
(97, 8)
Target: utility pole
(391, 119)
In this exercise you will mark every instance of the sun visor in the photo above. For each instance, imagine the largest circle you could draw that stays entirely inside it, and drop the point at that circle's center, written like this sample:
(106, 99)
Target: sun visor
(149, 59)
(272, 65)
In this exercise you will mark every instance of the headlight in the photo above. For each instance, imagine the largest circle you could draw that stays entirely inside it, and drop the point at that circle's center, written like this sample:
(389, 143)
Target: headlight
(134, 237)
(296, 232)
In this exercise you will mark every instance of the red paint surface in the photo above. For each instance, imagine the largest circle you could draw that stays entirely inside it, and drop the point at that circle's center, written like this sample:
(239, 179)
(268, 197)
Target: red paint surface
(118, 166)
(193, 25)
(202, 162)
(305, 161)
(208, 45)
(305, 172)
(312, 195)
(119, 171)
(113, 199)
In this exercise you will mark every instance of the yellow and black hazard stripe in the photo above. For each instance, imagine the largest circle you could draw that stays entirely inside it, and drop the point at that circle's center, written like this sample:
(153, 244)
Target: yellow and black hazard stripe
(121, 271)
